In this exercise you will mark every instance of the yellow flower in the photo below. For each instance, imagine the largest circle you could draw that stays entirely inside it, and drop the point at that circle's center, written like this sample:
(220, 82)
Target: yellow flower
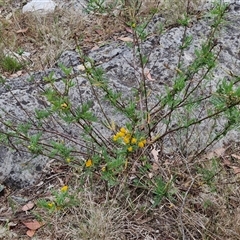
(68, 160)
(50, 205)
(120, 134)
(133, 140)
(130, 149)
(123, 130)
(64, 188)
(133, 25)
(126, 140)
(141, 144)
(115, 138)
(64, 105)
(104, 169)
(128, 135)
(89, 163)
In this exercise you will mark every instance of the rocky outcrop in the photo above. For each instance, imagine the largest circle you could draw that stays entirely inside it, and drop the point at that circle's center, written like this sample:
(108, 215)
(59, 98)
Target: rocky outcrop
(21, 95)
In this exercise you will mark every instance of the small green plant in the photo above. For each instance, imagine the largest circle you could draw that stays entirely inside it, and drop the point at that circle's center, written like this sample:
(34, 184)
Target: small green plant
(100, 6)
(162, 189)
(208, 204)
(60, 200)
(20, 51)
(10, 64)
(209, 173)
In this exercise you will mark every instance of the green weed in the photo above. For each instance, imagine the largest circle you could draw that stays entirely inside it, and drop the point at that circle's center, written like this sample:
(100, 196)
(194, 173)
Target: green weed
(208, 174)
(10, 64)
(60, 200)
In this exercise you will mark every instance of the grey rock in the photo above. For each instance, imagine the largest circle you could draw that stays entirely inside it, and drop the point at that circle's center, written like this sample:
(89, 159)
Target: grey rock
(43, 6)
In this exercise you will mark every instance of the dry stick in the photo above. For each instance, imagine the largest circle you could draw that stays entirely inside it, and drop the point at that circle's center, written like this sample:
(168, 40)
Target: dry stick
(198, 121)
(184, 201)
(202, 78)
(79, 93)
(48, 148)
(183, 38)
(52, 116)
(214, 140)
(14, 130)
(136, 42)
(11, 144)
(92, 129)
(72, 112)
(97, 132)
(23, 137)
(133, 65)
(144, 84)
(69, 138)
(90, 76)
(190, 133)
(10, 115)
(186, 95)
(38, 85)
(45, 154)
(185, 98)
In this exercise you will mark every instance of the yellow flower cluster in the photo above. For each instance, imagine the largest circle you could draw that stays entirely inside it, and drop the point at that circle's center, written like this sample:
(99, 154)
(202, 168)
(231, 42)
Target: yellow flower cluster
(142, 143)
(89, 163)
(128, 139)
(64, 188)
(50, 204)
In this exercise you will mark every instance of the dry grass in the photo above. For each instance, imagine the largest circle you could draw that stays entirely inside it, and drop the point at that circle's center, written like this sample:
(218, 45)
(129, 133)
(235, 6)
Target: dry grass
(195, 208)
(45, 37)
(88, 220)
(172, 10)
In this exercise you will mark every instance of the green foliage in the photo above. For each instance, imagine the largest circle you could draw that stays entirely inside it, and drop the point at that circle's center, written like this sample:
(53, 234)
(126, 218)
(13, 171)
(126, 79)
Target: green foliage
(34, 145)
(10, 64)
(208, 173)
(61, 199)
(100, 6)
(184, 21)
(162, 189)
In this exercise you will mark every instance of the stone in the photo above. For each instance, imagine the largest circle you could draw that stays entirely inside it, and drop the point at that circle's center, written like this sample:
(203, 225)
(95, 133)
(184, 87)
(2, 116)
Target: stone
(41, 6)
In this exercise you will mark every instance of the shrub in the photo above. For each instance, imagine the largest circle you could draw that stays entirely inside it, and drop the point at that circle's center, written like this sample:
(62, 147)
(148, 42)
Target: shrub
(82, 132)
